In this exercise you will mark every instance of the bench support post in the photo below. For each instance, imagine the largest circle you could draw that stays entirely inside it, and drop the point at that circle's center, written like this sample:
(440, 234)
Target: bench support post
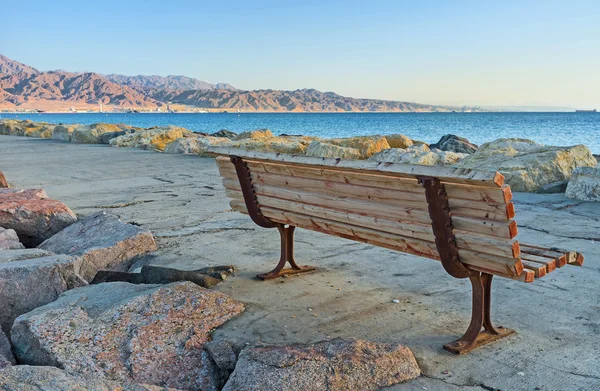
(287, 256)
(285, 232)
(475, 337)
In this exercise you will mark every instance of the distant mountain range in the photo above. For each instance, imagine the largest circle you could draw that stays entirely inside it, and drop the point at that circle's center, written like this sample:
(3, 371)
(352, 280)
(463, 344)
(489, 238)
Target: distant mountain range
(23, 87)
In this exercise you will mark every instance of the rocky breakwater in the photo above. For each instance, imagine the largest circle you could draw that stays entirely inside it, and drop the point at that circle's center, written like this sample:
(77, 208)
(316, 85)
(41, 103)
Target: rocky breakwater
(527, 166)
(111, 335)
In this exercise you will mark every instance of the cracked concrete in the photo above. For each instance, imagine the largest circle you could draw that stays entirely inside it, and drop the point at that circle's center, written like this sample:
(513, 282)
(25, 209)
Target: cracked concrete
(557, 318)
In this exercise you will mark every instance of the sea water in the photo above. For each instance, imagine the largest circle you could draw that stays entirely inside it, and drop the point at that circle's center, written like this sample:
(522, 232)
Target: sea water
(546, 128)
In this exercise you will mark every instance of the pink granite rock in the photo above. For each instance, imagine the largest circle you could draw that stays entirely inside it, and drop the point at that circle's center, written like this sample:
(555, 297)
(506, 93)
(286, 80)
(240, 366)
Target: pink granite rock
(32, 215)
(101, 241)
(336, 365)
(125, 332)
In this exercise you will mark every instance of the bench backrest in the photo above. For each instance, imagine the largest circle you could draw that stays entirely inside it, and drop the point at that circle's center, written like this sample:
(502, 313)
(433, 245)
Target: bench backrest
(383, 204)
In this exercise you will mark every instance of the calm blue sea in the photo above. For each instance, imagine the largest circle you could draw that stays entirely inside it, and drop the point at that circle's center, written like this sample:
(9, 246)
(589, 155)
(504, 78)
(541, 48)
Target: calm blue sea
(546, 128)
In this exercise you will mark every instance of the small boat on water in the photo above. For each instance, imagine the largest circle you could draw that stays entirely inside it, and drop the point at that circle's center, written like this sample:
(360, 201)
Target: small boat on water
(586, 111)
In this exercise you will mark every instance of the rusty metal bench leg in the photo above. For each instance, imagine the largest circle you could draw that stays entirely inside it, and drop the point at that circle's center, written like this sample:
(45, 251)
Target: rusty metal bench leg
(475, 337)
(287, 256)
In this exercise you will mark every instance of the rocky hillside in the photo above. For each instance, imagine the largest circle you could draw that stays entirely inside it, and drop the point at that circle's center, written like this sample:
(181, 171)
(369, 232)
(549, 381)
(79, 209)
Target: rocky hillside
(297, 100)
(11, 67)
(24, 87)
(49, 88)
(151, 85)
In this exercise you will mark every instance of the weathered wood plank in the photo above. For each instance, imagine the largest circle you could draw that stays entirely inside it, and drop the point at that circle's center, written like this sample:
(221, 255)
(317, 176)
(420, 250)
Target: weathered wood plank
(390, 188)
(454, 175)
(506, 230)
(487, 244)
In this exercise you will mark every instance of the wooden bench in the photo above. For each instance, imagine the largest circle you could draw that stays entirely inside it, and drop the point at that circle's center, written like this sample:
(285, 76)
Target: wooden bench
(461, 217)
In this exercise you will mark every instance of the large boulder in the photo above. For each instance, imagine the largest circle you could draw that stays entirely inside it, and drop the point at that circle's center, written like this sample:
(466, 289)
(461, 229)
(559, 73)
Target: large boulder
(101, 241)
(9, 240)
(40, 130)
(196, 145)
(254, 134)
(367, 145)
(584, 184)
(26, 128)
(31, 378)
(454, 143)
(154, 139)
(418, 154)
(527, 165)
(124, 332)
(8, 127)
(323, 149)
(336, 365)
(32, 215)
(399, 141)
(288, 145)
(92, 134)
(6, 355)
(31, 278)
(63, 132)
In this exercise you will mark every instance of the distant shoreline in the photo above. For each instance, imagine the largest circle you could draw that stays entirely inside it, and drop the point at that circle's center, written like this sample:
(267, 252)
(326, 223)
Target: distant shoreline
(293, 112)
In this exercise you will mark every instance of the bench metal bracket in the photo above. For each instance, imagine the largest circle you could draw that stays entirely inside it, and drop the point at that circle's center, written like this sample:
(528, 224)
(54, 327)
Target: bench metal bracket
(286, 232)
(441, 222)
(475, 337)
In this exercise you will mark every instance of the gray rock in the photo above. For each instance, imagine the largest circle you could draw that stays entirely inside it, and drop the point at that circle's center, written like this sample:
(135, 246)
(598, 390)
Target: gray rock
(28, 378)
(258, 133)
(31, 278)
(527, 165)
(332, 365)
(119, 331)
(454, 143)
(106, 137)
(91, 134)
(584, 184)
(101, 241)
(6, 356)
(9, 240)
(323, 149)
(554, 187)
(63, 132)
(418, 154)
(225, 133)
(34, 217)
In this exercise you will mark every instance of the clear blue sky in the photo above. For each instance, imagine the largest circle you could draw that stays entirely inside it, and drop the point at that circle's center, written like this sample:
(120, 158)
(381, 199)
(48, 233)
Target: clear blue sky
(447, 52)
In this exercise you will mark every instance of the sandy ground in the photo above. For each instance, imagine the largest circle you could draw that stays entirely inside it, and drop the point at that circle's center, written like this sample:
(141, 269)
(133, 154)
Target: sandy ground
(181, 199)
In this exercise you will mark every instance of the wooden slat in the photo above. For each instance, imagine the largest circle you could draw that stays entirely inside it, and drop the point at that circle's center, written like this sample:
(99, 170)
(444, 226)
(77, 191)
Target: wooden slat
(489, 203)
(564, 257)
(561, 258)
(506, 230)
(449, 174)
(380, 180)
(548, 262)
(383, 196)
(538, 268)
(489, 245)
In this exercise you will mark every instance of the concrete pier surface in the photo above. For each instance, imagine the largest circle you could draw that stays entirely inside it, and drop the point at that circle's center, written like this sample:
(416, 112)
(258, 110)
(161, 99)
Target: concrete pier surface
(182, 201)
